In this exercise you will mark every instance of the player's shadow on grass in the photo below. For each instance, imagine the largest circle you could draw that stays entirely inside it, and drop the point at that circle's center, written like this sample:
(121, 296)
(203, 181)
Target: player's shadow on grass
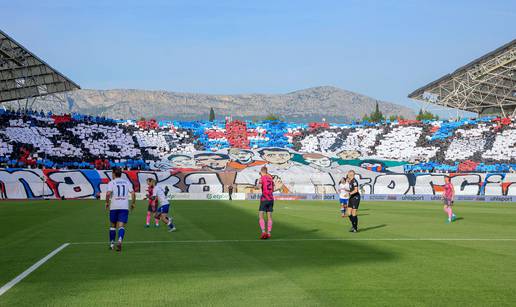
(459, 218)
(237, 221)
(216, 242)
(372, 227)
(218, 238)
(306, 232)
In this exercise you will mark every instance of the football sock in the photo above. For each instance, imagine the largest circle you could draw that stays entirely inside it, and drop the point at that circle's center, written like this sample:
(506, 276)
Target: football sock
(351, 219)
(156, 221)
(269, 226)
(450, 213)
(262, 224)
(342, 211)
(112, 234)
(355, 224)
(147, 220)
(121, 233)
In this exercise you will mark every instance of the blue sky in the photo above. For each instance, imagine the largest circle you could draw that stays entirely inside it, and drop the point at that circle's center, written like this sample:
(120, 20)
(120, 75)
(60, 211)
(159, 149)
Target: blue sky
(384, 49)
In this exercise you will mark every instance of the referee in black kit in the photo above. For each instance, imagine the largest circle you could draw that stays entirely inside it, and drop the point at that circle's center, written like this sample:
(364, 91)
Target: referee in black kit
(354, 201)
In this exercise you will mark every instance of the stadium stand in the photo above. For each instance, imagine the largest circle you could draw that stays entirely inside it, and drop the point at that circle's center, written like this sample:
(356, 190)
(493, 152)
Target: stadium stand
(34, 139)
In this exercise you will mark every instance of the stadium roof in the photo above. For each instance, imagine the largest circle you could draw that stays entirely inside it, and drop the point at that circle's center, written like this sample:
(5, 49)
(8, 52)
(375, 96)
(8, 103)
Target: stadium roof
(23, 75)
(485, 85)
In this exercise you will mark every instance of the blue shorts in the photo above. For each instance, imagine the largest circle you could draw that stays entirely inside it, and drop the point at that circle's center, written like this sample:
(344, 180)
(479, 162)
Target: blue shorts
(118, 215)
(162, 209)
(343, 201)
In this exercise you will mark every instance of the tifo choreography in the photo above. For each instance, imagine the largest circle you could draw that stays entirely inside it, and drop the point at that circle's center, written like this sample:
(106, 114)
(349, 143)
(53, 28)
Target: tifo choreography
(32, 140)
(52, 183)
(63, 156)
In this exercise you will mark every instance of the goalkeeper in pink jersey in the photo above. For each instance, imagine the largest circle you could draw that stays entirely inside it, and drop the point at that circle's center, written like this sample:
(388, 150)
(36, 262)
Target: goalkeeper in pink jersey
(266, 202)
(448, 198)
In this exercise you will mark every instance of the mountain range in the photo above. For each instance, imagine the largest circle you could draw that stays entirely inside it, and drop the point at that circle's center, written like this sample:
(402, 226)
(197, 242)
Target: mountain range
(312, 104)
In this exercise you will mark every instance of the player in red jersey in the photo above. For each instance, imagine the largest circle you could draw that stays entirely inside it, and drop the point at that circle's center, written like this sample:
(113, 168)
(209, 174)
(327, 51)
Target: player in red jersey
(151, 209)
(266, 202)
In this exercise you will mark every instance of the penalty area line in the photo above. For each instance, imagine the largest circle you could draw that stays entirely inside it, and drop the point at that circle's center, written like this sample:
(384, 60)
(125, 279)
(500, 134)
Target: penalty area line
(26, 273)
(302, 240)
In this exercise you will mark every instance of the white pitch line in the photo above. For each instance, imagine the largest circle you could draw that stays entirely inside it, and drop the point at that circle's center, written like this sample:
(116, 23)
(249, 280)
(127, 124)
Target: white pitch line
(301, 240)
(36, 265)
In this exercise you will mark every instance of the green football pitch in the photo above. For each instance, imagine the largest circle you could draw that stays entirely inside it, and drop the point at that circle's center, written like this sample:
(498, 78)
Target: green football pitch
(404, 254)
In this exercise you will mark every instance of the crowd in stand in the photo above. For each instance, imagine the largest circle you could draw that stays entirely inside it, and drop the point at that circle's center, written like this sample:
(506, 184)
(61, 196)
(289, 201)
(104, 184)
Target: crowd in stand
(36, 139)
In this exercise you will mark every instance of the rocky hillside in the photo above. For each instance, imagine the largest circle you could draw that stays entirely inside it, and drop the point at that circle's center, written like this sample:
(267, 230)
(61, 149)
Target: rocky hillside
(311, 104)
